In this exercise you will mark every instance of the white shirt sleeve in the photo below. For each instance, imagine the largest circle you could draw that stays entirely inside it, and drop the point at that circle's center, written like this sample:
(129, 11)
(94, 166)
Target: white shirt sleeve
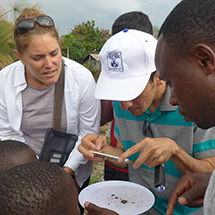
(88, 118)
(12, 81)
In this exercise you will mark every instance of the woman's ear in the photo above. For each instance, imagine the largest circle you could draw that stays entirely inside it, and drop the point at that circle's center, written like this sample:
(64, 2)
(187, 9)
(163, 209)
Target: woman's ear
(19, 55)
(206, 56)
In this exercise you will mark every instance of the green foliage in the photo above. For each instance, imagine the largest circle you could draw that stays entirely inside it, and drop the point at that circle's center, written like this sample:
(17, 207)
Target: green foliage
(156, 30)
(97, 173)
(6, 32)
(95, 71)
(6, 44)
(83, 40)
(6, 35)
(71, 47)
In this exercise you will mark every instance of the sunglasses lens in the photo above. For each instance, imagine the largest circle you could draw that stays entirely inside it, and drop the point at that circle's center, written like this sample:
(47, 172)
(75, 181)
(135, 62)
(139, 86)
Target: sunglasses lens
(45, 21)
(25, 25)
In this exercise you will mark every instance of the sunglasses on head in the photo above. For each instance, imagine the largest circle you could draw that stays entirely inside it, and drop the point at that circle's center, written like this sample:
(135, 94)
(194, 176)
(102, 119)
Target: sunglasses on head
(26, 25)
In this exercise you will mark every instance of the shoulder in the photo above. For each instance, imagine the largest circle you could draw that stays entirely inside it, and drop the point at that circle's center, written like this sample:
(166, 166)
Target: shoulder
(76, 68)
(13, 74)
(77, 75)
(13, 68)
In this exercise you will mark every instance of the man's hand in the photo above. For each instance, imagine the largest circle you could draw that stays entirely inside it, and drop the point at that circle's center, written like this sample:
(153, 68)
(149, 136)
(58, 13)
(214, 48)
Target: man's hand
(189, 190)
(95, 210)
(153, 151)
(92, 142)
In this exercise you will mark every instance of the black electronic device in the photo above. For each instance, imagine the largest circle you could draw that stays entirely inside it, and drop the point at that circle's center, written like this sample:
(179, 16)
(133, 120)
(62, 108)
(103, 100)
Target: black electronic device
(57, 146)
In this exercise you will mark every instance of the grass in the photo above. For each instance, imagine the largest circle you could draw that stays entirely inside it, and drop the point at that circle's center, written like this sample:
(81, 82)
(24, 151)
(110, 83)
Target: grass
(98, 168)
(97, 173)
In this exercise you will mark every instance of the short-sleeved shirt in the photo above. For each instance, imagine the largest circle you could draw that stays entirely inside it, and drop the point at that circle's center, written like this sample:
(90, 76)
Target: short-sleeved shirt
(209, 204)
(164, 122)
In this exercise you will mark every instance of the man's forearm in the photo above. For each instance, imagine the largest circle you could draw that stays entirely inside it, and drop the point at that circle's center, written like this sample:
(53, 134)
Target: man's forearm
(116, 151)
(187, 164)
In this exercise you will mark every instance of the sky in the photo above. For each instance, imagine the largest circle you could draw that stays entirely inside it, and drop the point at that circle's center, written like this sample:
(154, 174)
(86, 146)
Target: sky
(68, 13)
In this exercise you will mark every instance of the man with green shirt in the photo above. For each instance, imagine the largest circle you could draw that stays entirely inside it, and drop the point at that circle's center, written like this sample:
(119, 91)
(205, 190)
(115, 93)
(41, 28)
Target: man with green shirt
(149, 130)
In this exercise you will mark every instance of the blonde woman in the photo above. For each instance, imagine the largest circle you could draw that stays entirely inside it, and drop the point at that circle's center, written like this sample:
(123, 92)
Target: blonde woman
(27, 91)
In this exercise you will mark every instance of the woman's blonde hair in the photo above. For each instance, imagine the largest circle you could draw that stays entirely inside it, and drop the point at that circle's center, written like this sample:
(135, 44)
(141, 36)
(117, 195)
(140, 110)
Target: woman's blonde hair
(22, 40)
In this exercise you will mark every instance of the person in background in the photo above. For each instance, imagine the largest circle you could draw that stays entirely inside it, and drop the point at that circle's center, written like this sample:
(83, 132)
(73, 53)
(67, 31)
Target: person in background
(14, 153)
(41, 188)
(149, 130)
(27, 113)
(131, 20)
(185, 59)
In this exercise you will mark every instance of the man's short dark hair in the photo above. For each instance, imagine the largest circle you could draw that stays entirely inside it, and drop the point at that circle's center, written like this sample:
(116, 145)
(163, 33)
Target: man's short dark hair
(190, 22)
(152, 76)
(133, 20)
(9, 149)
(37, 188)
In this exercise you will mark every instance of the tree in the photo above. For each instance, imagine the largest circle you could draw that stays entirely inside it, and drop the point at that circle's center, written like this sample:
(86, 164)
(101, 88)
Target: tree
(83, 40)
(6, 44)
(6, 33)
(156, 30)
(71, 47)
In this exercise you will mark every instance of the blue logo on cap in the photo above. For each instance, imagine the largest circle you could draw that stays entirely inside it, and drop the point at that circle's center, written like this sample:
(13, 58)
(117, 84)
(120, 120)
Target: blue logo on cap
(114, 61)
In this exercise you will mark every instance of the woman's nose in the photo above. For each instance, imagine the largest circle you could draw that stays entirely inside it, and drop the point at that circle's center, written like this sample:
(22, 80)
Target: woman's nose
(47, 62)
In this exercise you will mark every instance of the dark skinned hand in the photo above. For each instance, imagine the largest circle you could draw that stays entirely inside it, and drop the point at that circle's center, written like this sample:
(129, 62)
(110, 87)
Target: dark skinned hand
(189, 190)
(95, 210)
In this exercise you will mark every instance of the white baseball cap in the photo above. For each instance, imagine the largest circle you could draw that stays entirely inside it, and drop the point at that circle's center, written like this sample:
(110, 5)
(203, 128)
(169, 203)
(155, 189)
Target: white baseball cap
(127, 61)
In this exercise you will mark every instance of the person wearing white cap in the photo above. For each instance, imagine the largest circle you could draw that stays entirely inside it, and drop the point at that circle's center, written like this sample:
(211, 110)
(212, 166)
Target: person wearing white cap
(149, 130)
(131, 20)
(124, 74)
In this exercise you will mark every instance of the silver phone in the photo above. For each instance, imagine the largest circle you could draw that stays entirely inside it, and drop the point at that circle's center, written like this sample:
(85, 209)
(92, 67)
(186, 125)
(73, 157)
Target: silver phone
(113, 157)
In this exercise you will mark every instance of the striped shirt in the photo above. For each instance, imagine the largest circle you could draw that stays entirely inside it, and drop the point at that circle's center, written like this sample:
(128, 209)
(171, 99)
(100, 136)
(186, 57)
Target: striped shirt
(164, 122)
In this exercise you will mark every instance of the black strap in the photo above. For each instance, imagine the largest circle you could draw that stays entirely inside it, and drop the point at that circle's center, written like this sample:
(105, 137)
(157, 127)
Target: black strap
(58, 100)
